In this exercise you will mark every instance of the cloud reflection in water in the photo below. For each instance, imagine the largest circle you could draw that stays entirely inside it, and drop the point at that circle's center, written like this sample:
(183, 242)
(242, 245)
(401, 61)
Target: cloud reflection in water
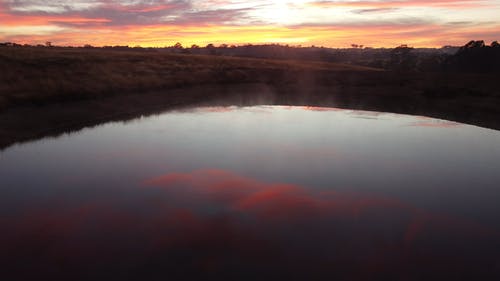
(215, 223)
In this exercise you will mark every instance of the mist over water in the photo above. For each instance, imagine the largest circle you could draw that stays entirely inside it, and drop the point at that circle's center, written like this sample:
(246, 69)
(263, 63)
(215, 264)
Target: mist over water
(255, 192)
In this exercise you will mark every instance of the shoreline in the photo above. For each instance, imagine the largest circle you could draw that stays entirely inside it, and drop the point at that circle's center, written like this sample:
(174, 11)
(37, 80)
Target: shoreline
(49, 91)
(30, 122)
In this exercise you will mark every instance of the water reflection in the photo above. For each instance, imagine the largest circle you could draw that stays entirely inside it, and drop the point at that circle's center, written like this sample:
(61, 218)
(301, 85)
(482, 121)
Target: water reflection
(219, 224)
(254, 193)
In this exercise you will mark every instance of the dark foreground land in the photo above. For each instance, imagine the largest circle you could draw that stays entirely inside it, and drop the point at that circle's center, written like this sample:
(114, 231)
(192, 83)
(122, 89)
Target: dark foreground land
(49, 91)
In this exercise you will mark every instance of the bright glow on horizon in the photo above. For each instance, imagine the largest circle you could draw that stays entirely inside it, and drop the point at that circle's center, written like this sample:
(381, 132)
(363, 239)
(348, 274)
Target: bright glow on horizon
(339, 23)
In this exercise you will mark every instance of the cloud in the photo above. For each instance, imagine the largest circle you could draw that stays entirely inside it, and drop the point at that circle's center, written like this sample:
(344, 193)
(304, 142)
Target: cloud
(372, 23)
(138, 13)
(116, 12)
(374, 10)
(457, 4)
(126, 13)
(164, 22)
(218, 16)
(461, 23)
(37, 30)
(50, 7)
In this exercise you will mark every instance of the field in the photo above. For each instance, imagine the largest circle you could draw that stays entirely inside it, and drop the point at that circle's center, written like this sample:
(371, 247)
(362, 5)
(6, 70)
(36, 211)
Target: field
(47, 91)
(39, 75)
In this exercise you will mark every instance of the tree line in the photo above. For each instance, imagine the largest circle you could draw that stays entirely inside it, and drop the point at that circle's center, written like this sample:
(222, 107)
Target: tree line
(474, 56)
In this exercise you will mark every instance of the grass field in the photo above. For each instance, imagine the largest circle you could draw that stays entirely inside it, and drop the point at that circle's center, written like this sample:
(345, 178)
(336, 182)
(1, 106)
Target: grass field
(38, 75)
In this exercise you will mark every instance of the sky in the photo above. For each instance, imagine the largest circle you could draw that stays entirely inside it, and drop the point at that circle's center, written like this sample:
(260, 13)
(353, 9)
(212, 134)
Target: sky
(338, 23)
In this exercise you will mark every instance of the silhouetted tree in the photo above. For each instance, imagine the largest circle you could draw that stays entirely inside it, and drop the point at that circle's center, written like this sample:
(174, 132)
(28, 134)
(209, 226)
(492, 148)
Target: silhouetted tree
(475, 56)
(211, 49)
(473, 45)
(401, 58)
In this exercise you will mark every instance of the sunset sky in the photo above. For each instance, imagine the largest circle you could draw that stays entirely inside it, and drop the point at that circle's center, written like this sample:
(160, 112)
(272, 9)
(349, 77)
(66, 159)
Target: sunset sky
(422, 23)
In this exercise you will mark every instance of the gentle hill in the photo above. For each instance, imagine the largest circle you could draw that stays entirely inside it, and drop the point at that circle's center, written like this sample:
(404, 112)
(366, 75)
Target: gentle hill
(40, 75)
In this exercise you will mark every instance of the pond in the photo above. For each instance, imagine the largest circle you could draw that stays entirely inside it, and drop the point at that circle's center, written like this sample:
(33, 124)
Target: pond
(260, 192)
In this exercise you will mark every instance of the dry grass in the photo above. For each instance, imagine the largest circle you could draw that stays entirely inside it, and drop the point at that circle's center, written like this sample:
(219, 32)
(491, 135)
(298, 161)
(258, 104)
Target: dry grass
(40, 75)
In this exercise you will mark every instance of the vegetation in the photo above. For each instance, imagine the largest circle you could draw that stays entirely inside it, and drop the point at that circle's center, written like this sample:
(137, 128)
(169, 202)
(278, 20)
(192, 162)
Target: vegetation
(40, 75)
(477, 57)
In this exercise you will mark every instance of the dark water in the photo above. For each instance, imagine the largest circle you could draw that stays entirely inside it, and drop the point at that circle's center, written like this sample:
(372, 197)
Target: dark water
(276, 193)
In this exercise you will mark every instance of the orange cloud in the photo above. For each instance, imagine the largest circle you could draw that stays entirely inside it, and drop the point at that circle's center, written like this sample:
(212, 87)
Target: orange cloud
(36, 20)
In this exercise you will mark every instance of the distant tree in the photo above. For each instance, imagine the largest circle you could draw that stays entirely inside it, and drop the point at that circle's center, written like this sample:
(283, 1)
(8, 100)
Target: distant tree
(495, 44)
(473, 45)
(211, 49)
(194, 46)
(475, 57)
(178, 45)
(224, 46)
(401, 58)
(48, 44)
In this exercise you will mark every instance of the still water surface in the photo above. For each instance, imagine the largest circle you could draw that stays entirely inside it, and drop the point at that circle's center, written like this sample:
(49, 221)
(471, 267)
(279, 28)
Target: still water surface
(265, 192)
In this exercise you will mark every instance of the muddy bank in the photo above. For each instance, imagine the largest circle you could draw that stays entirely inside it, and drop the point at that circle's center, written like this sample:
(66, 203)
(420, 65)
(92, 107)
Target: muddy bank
(20, 124)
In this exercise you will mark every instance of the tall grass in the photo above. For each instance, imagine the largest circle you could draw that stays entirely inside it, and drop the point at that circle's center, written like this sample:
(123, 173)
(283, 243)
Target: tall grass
(38, 75)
